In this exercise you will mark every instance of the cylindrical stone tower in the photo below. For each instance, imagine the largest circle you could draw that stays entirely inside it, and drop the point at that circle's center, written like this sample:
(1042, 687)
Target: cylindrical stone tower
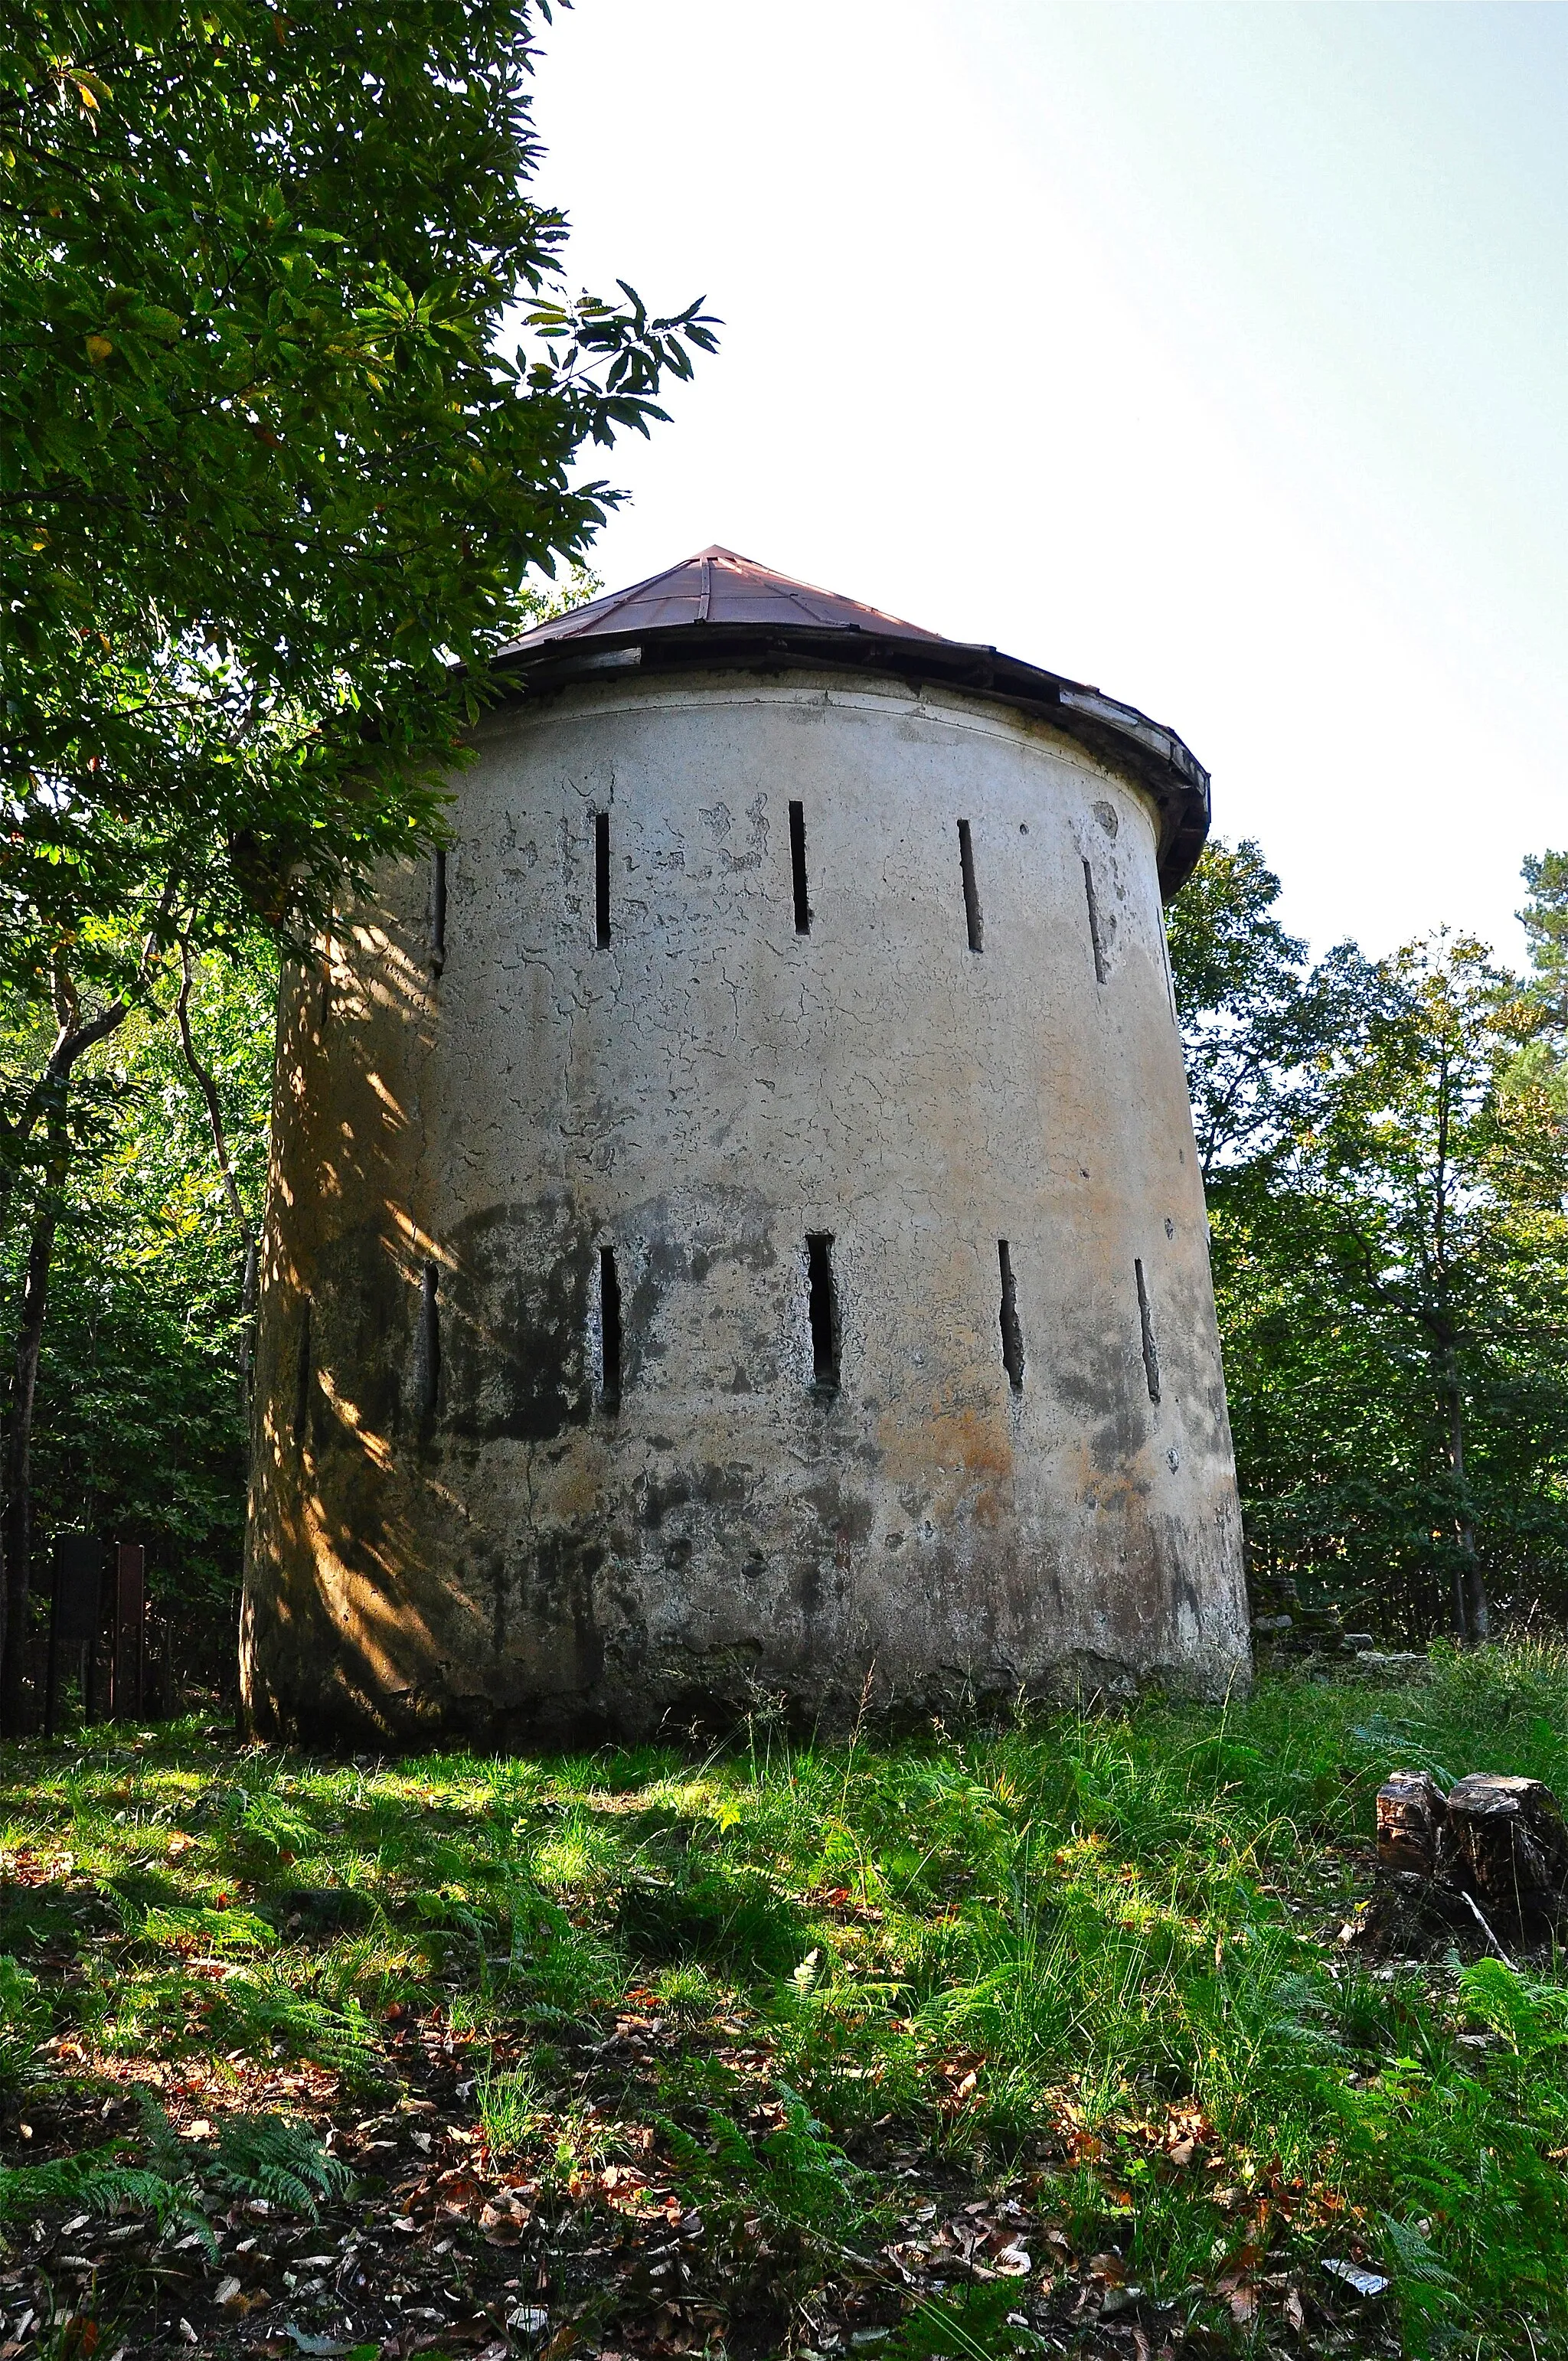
(735, 1230)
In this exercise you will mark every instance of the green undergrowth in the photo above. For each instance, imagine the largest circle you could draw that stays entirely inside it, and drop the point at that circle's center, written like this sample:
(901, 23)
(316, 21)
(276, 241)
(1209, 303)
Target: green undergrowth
(1093, 1955)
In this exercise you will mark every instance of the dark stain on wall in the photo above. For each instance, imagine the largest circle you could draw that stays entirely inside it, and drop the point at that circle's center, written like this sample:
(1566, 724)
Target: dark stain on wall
(558, 1592)
(515, 1346)
(712, 1487)
(361, 1338)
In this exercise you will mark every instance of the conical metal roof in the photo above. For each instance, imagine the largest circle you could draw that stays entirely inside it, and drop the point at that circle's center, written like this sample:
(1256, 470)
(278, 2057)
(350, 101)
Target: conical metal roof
(718, 587)
(721, 611)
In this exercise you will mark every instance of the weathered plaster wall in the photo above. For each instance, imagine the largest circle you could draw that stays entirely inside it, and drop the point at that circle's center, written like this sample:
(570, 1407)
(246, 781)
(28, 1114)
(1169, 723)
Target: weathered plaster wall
(448, 1526)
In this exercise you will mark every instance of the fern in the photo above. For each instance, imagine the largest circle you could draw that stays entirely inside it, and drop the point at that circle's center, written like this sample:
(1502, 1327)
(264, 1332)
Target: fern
(282, 2159)
(809, 2178)
(691, 2159)
(100, 2182)
(166, 2152)
(1426, 2290)
(224, 1934)
(1533, 2017)
(268, 1825)
(261, 2006)
(972, 2326)
(795, 2174)
(23, 2021)
(264, 2156)
(1411, 2255)
(29, 2187)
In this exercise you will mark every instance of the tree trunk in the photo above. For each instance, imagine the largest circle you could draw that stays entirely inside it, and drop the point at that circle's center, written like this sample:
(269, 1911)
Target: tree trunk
(209, 1090)
(46, 1103)
(1472, 1615)
(48, 1100)
(18, 1470)
(247, 1332)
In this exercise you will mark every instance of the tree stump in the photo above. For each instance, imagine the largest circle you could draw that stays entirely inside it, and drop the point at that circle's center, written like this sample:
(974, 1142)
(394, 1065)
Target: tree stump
(1410, 1812)
(1505, 1841)
(1488, 1860)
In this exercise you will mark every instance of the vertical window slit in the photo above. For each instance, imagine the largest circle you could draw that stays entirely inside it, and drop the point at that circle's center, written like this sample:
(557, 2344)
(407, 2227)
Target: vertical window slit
(601, 878)
(303, 1374)
(610, 1331)
(427, 1359)
(797, 865)
(437, 911)
(1094, 935)
(823, 1309)
(1012, 1334)
(971, 891)
(1145, 1325)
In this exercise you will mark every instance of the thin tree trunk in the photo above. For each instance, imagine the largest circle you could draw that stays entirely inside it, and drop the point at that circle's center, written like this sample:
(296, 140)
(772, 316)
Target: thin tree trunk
(19, 1461)
(46, 1101)
(209, 1091)
(1472, 1614)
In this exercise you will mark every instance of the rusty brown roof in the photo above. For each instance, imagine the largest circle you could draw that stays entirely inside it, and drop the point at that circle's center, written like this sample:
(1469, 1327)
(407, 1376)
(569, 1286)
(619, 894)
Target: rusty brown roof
(718, 611)
(718, 587)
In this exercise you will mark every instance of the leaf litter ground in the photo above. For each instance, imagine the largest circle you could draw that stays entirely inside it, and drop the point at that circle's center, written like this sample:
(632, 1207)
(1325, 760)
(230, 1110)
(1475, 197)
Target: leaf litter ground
(1039, 2038)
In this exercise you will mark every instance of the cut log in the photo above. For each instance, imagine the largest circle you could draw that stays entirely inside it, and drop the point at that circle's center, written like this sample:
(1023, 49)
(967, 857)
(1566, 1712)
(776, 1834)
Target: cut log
(1409, 1822)
(1505, 1841)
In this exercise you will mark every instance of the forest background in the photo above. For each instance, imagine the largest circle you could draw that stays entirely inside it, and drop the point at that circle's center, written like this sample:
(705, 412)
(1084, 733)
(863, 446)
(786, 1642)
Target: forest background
(1385, 1146)
(288, 450)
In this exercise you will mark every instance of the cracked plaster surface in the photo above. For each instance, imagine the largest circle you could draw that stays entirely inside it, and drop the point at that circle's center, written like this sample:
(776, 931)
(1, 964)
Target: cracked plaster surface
(699, 1096)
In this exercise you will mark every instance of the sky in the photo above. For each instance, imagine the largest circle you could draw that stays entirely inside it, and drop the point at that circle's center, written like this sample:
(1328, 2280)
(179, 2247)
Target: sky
(1211, 351)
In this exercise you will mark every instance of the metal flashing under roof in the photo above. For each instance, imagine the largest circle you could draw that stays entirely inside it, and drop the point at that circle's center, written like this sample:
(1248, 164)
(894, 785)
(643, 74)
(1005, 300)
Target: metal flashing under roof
(721, 611)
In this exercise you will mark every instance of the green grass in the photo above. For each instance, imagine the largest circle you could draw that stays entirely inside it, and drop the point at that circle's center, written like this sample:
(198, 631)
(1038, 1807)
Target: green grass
(1092, 1957)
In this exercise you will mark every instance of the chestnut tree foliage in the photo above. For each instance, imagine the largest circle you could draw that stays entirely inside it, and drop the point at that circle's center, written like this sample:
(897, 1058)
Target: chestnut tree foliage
(293, 402)
(270, 465)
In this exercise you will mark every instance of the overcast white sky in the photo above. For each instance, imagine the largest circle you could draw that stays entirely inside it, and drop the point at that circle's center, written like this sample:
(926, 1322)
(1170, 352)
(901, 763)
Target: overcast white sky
(1210, 350)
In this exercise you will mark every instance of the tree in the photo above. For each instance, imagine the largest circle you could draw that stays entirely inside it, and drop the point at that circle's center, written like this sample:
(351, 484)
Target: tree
(270, 490)
(1386, 1177)
(1238, 978)
(1440, 1179)
(267, 473)
(1254, 1016)
(1545, 921)
(77, 1037)
(139, 1425)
